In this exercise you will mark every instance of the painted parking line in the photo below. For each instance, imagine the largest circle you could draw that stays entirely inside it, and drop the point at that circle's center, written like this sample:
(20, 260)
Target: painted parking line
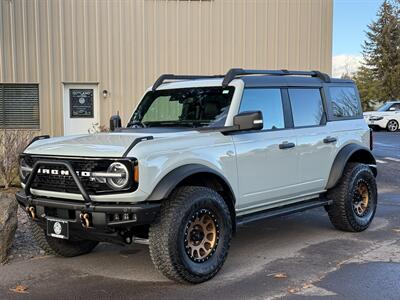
(392, 159)
(384, 145)
(381, 161)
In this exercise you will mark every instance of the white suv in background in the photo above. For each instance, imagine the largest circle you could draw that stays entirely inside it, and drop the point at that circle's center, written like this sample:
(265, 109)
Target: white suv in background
(386, 117)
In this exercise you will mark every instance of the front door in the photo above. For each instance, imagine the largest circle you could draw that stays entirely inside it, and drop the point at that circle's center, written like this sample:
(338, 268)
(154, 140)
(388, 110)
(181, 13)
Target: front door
(81, 108)
(267, 160)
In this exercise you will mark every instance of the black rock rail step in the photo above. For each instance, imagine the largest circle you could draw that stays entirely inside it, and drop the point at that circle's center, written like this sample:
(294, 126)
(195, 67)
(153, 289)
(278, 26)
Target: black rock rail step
(282, 210)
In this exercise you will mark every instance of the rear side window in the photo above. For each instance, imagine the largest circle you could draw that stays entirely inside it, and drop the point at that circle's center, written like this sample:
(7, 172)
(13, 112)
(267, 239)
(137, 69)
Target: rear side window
(269, 102)
(307, 107)
(344, 102)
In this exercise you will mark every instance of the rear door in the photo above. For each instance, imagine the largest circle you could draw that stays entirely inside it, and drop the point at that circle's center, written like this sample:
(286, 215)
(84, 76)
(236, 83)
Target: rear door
(267, 159)
(315, 143)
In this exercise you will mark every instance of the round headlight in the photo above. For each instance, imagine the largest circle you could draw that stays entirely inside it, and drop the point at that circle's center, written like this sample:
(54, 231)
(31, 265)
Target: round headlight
(121, 176)
(24, 169)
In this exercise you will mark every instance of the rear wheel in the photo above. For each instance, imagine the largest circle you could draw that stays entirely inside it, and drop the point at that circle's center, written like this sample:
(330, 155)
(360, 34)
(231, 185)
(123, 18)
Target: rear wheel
(55, 246)
(354, 199)
(392, 125)
(190, 242)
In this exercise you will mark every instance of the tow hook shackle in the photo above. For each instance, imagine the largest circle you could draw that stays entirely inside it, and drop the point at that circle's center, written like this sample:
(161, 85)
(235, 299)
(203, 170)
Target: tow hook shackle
(31, 211)
(85, 219)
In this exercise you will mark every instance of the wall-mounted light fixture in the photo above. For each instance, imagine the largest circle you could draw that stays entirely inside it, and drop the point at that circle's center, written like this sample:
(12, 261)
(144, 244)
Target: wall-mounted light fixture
(105, 93)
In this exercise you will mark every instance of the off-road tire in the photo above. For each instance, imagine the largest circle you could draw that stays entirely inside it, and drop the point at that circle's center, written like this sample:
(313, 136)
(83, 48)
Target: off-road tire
(60, 247)
(167, 235)
(341, 212)
(392, 126)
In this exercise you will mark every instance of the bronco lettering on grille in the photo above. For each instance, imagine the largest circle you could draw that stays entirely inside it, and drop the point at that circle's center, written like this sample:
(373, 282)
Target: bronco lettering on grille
(63, 172)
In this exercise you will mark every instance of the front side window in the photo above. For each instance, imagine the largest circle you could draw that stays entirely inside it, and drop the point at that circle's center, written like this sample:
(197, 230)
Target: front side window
(395, 107)
(307, 107)
(344, 102)
(191, 107)
(269, 102)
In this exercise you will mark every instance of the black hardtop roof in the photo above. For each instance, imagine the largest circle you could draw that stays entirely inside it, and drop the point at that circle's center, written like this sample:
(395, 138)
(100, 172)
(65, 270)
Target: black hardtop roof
(258, 78)
(268, 80)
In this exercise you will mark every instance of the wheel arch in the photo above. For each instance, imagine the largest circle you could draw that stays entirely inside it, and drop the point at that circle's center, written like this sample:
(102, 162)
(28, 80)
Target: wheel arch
(196, 175)
(350, 153)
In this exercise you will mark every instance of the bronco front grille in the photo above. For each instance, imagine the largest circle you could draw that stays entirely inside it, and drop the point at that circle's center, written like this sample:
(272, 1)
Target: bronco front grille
(63, 183)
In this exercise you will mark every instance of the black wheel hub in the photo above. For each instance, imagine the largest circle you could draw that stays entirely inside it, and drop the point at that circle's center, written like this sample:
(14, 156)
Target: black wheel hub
(197, 235)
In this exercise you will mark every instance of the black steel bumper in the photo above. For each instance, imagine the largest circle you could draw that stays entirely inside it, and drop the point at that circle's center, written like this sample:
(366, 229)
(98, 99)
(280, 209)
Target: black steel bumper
(102, 215)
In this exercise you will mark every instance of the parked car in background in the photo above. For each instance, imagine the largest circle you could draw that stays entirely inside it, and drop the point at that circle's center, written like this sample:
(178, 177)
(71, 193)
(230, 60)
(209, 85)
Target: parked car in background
(386, 117)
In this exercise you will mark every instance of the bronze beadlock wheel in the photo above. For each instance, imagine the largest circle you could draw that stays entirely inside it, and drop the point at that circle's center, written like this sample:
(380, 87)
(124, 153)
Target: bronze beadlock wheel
(191, 239)
(361, 199)
(201, 235)
(355, 198)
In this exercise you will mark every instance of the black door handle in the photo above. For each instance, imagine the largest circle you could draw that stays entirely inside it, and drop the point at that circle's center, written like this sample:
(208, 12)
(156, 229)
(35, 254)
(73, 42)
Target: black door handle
(329, 139)
(286, 145)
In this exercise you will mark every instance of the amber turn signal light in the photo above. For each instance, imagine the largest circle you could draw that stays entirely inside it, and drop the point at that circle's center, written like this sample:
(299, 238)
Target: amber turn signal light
(136, 173)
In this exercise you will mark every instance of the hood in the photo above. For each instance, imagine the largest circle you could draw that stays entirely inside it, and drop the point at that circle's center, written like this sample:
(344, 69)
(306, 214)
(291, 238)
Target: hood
(367, 113)
(113, 144)
(378, 113)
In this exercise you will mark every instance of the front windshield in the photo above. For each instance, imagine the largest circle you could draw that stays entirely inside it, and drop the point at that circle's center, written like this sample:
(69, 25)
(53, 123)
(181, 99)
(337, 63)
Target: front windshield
(189, 107)
(384, 107)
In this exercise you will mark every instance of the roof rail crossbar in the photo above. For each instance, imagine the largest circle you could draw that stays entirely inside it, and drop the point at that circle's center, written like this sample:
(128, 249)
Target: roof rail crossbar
(233, 73)
(169, 77)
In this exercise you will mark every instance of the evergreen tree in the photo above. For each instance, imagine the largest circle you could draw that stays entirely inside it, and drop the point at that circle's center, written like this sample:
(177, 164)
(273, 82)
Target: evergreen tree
(379, 77)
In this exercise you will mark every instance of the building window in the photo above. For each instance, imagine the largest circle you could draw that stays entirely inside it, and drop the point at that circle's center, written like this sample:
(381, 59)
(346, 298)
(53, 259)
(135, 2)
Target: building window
(19, 106)
(307, 107)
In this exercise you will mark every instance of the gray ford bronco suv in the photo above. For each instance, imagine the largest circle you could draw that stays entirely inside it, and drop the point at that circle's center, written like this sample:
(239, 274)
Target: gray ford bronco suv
(200, 156)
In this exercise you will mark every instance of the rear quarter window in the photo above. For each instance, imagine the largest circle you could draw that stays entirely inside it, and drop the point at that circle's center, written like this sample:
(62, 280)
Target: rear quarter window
(344, 102)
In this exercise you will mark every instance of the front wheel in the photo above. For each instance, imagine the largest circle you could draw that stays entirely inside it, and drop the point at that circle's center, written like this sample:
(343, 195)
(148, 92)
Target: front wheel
(392, 126)
(354, 199)
(190, 241)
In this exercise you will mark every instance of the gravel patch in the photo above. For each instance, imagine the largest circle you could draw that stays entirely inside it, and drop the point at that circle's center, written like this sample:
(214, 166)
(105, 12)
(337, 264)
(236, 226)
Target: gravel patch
(24, 246)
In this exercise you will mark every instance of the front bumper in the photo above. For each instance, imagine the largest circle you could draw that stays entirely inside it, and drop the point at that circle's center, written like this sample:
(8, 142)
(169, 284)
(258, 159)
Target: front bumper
(377, 123)
(107, 221)
(103, 215)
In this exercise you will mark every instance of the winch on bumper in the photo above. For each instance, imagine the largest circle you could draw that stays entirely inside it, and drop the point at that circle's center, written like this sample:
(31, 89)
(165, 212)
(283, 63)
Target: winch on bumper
(113, 222)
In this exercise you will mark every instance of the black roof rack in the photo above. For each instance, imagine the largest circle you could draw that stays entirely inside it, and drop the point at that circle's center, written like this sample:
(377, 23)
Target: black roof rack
(233, 73)
(166, 77)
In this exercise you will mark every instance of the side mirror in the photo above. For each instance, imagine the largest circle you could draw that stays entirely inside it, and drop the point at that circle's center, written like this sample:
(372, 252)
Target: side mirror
(115, 122)
(249, 120)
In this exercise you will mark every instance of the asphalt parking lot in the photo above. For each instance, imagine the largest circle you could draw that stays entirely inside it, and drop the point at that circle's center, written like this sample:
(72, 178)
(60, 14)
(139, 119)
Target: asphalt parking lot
(313, 259)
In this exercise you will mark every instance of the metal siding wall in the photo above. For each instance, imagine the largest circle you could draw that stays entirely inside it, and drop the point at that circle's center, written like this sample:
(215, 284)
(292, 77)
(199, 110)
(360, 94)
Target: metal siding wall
(125, 45)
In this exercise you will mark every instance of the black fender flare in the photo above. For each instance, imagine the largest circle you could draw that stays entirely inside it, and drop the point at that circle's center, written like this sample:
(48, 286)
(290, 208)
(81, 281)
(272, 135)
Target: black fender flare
(170, 181)
(350, 152)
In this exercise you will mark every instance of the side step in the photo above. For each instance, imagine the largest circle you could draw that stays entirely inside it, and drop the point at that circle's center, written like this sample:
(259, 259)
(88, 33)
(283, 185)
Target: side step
(281, 211)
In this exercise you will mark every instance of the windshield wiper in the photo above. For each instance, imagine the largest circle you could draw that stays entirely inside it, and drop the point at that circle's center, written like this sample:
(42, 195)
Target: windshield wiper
(191, 124)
